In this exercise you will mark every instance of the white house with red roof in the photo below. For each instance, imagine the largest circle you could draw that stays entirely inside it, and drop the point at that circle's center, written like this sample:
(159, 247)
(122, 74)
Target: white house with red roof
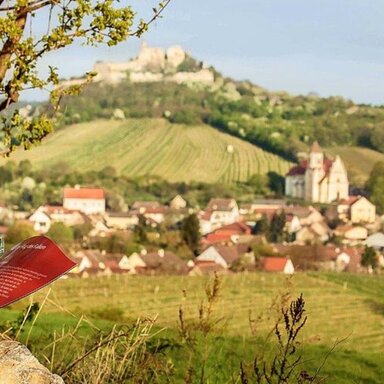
(318, 178)
(86, 200)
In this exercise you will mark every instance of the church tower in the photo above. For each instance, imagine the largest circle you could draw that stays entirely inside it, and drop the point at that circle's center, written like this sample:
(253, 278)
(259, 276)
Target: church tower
(314, 173)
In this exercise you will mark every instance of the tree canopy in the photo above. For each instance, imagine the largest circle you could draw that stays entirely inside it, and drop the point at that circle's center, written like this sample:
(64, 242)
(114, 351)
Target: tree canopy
(375, 185)
(91, 22)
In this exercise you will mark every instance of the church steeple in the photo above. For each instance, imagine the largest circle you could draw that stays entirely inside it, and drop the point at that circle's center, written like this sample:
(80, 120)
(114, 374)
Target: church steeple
(316, 148)
(316, 156)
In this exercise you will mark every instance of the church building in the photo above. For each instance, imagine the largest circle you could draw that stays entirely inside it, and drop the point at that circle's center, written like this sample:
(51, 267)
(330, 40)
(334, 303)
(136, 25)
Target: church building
(318, 178)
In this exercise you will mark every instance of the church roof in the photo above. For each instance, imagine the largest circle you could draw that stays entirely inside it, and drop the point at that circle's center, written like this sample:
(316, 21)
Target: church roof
(298, 169)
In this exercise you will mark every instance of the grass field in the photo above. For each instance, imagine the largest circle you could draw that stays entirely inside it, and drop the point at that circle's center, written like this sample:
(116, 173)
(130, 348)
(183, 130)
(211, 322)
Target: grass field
(339, 307)
(359, 161)
(155, 147)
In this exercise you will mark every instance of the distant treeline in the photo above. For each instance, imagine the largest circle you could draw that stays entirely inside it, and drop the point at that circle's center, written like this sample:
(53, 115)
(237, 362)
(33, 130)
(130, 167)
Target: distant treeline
(26, 188)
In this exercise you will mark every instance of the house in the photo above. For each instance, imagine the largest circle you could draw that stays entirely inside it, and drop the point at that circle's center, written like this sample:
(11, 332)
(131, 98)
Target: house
(99, 228)
(305, 225)
(219, 212)
(177, 203)
(60, 214)
(316, 232)
(351, 235)
(160, 261)
(225, 256)
(44, 216)
(86, 200)
(204, 268)
(277, 264)
(90, 259)
(322, 257)
(92, 262)
(292, 224)
(205, 222)
(151, 210)
(306, 215)
(318, 178)
(116, 263)
(143, 206)
(376, 240)
(41, 220)
(121, 220)
(357, 210)
(261, 207)
(227, 234)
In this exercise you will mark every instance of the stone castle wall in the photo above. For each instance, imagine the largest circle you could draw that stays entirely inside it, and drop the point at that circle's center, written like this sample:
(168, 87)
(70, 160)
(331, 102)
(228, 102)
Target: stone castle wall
(151, 65)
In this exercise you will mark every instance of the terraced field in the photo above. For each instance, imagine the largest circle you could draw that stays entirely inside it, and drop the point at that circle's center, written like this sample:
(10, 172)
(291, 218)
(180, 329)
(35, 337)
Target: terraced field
(359, 161)
(336, 308)
(155, 147)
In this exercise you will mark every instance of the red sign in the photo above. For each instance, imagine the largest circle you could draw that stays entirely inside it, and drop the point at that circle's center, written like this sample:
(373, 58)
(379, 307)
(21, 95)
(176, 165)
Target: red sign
(29, 266)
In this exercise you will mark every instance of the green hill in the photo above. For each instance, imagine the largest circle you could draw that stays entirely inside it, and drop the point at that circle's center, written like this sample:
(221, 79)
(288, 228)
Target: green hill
(277, 122)
(137, 147)
(359, 161)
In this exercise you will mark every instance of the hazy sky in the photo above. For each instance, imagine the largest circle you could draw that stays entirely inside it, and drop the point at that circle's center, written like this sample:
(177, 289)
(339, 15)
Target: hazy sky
(332, 47)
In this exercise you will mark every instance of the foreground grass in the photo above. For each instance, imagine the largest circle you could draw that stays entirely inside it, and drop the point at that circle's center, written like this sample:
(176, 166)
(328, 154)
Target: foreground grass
(338, 307)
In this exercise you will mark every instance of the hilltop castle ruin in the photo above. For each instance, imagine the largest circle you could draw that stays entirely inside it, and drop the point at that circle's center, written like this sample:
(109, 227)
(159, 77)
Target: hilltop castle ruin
(152, 64)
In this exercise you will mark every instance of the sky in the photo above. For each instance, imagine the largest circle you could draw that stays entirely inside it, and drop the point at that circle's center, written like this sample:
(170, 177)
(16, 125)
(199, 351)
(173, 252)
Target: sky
(324, 46)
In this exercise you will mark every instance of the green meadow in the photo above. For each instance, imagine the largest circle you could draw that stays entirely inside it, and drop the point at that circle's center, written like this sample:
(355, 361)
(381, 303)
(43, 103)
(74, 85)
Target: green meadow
(344, 330)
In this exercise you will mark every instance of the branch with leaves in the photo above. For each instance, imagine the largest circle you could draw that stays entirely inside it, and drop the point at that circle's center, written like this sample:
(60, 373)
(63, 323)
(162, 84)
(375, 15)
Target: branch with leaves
(90, 22)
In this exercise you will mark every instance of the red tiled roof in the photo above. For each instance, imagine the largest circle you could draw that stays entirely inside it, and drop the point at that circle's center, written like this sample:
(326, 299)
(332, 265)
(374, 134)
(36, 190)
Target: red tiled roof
(205, 215)
(351, 200)
(274, 264)
(84, 193)
(237, 228)
(229, 254)
(52, 209)
(302, 167)
(213, 238)
(297, 170)
(145, 205)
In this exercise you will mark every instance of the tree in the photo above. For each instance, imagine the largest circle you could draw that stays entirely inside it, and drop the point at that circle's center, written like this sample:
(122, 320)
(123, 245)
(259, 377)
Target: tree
(19, 232)
(24, 168)
(377, 137)
(259, 184)
(369, 258)
(22, 47)
(190, 232)
(60, 233)
(140, 230)
(261, 227)
(276, 183)
(276, 229)
(375, 185)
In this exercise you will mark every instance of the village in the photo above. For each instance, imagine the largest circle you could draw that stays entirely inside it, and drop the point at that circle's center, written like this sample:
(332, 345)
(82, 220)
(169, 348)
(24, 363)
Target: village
(316, 226)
